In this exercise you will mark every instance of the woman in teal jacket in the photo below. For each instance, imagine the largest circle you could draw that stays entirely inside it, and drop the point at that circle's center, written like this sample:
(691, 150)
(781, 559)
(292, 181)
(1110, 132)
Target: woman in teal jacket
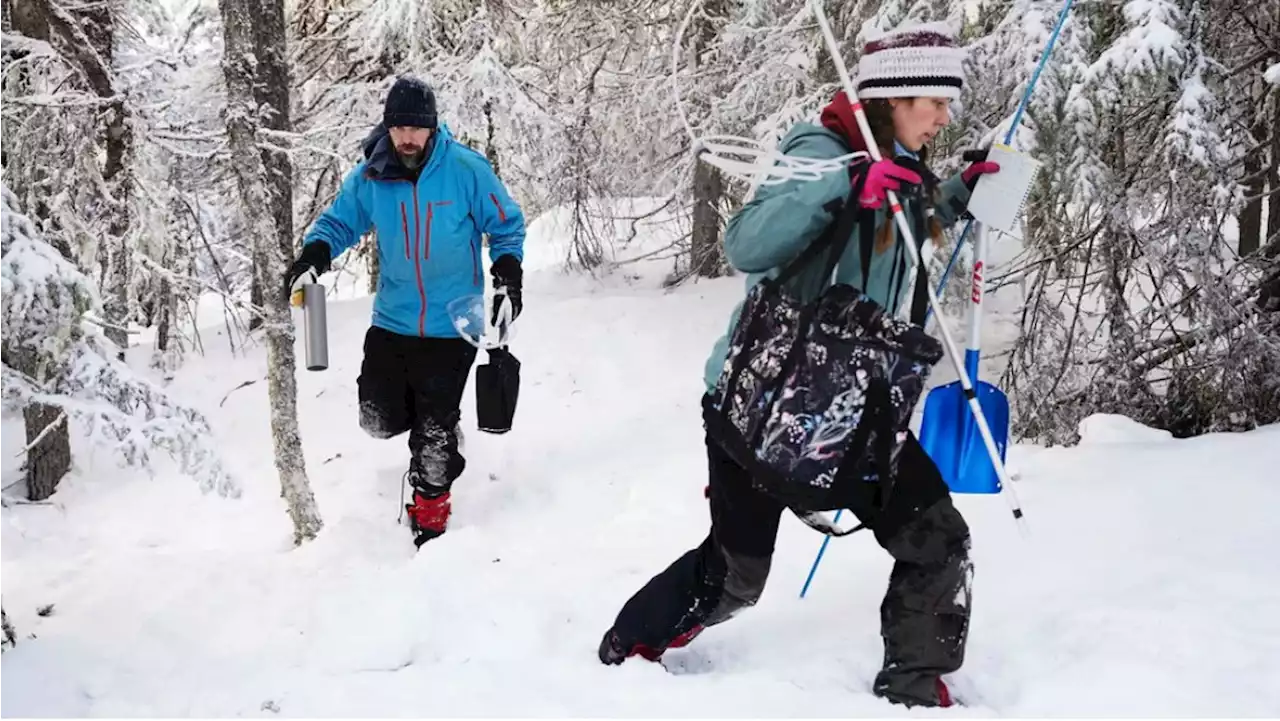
(907, 79)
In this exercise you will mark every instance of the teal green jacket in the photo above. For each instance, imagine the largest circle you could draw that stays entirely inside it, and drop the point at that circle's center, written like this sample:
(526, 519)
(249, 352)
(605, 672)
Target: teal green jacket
(783, 219)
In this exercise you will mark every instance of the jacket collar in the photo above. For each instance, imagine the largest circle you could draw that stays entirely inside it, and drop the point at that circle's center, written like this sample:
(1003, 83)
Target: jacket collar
(382, 162)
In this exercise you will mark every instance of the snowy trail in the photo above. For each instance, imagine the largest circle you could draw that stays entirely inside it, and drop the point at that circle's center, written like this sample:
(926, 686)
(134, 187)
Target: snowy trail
(1144, 588)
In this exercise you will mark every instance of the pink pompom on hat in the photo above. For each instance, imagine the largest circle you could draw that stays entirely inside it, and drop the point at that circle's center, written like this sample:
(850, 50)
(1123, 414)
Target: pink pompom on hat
(919, 60)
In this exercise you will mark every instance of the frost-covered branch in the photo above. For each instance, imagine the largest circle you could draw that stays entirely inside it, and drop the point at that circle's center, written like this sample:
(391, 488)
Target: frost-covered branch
(51, 357)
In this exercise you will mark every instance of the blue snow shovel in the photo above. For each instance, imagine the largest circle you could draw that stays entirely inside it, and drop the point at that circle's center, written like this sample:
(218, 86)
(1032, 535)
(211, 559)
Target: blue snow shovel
(948, 432)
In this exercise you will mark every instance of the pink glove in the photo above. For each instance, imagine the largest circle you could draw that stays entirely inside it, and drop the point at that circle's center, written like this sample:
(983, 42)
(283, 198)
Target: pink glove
(882, 177)
(973, 172)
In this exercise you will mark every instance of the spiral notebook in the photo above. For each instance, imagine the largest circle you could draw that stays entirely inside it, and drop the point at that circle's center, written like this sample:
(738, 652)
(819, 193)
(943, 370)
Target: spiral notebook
(999, 198)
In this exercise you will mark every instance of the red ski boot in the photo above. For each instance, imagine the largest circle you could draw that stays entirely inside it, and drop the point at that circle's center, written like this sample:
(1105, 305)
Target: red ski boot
(428, 516)
(944, 695)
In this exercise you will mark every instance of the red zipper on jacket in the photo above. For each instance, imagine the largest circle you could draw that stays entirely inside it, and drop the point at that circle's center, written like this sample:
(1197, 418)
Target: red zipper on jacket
(417, 224)
(431, 212)
(417, 267)
(475, 263)
(404, 222)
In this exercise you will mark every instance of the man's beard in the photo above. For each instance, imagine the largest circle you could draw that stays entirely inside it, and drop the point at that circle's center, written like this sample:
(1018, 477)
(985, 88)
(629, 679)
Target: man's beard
(410, 156)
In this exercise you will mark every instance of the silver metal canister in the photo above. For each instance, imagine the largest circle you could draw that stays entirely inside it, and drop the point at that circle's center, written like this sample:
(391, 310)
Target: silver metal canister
(316, 326)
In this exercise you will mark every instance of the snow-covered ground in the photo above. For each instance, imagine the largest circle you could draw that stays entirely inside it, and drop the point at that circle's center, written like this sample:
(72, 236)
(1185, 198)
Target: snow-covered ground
(1147, 585)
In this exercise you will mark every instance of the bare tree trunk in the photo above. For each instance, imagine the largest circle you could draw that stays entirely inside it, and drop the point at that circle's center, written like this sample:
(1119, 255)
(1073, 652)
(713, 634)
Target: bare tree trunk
(706, 256)
(166, 299)
(1255, 182)
(586, 250)
(48, 441)
(166, 305)
(1115, 249)
(245, 52)
(115, 306)
(708, 191)
(272, 94)
(6, 26)
(490, 151)
(169, 347)
(49, 458)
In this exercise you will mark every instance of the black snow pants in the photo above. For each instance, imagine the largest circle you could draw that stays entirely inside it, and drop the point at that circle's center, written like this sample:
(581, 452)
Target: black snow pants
(924, 617)
(416, 385)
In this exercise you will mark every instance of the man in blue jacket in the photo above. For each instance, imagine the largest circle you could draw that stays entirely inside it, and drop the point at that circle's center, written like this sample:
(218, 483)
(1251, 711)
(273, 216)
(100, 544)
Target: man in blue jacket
(430, 199)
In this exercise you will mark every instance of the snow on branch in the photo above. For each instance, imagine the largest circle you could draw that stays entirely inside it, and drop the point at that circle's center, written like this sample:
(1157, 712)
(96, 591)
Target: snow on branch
(52, 356)
(19, 43)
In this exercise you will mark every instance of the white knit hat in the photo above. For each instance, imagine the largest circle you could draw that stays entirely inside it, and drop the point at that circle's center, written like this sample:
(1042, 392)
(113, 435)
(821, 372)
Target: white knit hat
(911, 61)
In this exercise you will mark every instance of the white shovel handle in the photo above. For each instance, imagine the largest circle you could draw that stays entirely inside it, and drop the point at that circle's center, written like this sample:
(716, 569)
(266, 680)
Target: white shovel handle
(977, 288)
(908, 237)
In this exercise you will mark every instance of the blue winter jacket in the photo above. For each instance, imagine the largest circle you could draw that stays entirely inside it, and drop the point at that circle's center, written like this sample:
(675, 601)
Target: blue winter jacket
(429, 230)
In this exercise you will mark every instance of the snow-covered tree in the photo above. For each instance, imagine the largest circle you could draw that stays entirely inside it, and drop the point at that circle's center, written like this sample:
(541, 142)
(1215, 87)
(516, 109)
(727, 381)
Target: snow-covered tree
(1246, 35)
(1137, 304)
(83, 38)
(58, 363)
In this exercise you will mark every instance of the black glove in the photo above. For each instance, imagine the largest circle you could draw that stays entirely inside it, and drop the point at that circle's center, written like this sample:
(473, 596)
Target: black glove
(929, 182)
(314, 258)
(507, 277)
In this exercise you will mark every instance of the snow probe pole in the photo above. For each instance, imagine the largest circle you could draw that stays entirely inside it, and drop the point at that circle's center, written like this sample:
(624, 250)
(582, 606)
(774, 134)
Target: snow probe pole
(908, 237)
(818, 559)
(1008, 136)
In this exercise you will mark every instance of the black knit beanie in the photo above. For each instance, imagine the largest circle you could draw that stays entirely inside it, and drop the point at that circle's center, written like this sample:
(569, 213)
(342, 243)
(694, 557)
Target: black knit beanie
(411, 103)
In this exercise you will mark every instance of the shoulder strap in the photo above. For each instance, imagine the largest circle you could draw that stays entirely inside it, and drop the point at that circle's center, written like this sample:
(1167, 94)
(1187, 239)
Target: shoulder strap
(920, 293)
(866, 243)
